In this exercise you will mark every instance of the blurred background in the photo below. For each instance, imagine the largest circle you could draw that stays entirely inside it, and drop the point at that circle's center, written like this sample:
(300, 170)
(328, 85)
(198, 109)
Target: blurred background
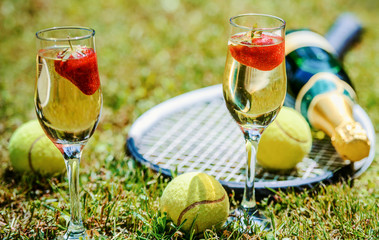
(152, 50)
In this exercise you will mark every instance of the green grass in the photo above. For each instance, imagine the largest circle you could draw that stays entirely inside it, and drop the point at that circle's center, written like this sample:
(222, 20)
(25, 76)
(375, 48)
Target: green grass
(148, 52)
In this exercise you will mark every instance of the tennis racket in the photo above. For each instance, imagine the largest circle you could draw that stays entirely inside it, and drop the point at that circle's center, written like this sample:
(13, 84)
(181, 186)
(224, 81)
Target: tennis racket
(195, 132)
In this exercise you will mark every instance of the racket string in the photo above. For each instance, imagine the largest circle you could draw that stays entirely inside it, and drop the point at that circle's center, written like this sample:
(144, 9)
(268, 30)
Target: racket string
(205, 138)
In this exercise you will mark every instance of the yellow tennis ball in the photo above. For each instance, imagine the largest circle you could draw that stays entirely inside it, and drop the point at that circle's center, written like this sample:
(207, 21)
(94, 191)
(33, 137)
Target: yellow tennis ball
(285, 142)
(195, 198)
(30, 150)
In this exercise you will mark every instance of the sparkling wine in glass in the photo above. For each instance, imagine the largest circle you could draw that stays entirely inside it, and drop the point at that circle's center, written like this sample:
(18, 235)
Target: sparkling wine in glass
(254, 88)
(68, 101)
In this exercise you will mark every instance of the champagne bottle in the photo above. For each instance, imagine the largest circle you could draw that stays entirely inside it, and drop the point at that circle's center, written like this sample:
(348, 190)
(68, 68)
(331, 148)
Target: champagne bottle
(323, 91)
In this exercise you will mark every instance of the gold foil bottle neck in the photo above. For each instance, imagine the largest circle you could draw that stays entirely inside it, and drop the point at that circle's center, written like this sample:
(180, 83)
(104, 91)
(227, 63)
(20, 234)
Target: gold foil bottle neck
(332, 113)
(351, 142)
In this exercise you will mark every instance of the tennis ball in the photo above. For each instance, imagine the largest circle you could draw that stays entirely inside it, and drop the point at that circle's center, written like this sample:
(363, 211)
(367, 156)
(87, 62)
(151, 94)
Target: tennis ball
(195, 199)
(30, 150)
(285, 142)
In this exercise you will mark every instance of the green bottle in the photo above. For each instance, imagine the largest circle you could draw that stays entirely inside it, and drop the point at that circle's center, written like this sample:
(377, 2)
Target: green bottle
(323, 92)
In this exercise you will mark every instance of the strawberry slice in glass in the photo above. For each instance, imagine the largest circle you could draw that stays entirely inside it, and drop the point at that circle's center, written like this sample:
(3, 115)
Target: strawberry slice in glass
(79, 66)
(264, 53)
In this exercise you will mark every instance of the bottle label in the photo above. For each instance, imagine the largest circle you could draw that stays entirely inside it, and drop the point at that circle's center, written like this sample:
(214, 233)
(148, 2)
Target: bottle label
(299, 39)
(322, 83)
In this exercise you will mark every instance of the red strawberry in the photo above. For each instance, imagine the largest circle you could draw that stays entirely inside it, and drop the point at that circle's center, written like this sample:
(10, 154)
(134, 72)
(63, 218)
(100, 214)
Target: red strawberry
(261, 53)
(263, 40)
(80, 67)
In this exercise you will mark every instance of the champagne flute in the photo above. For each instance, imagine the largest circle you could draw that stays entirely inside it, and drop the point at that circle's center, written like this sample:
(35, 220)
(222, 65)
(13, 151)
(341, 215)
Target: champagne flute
(68, 101)
(254, 88)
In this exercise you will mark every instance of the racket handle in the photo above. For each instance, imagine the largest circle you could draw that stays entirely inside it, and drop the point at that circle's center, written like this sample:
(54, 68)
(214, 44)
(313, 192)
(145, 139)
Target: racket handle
(346, 30)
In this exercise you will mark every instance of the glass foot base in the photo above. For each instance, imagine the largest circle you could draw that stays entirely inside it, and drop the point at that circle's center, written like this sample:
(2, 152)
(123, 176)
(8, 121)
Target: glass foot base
(249, 220)
(75, 235)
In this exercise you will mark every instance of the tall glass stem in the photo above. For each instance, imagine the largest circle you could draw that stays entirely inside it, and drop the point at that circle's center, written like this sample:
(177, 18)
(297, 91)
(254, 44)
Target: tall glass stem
(252, 137)
(72, 155)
